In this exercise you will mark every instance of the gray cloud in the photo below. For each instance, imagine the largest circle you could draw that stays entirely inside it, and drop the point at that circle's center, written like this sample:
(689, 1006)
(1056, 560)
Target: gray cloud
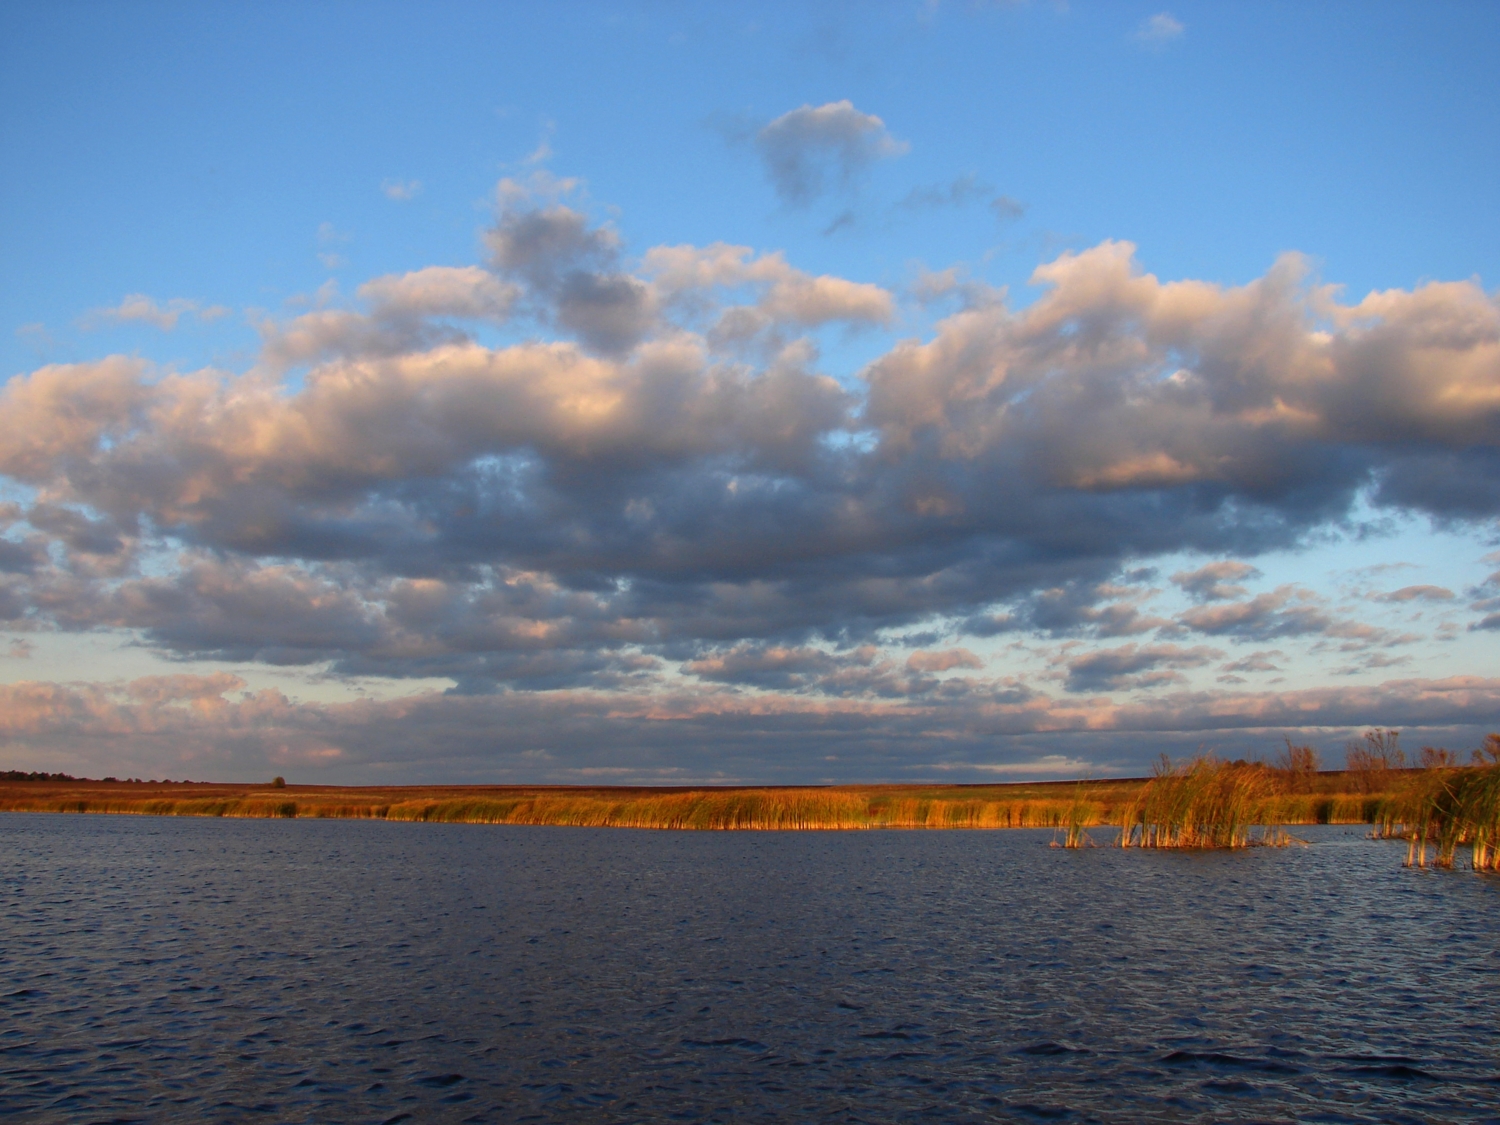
(1100, 609)
(963, 191)
(1255, 662)
(572, 270)
(1288, 611)
(1217, 581)
(1007, 209)
(774, 667)
(1133, 666)
(210, 726)
(663, 491)
(807, 148)
(1417, 593)
(863, 671)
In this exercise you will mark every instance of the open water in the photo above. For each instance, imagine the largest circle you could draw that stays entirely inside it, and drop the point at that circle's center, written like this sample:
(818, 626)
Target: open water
(160, 969)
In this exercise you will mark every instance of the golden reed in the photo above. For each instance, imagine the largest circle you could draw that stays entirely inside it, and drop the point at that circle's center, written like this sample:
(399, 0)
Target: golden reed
(1446, 808)
(1070, 806)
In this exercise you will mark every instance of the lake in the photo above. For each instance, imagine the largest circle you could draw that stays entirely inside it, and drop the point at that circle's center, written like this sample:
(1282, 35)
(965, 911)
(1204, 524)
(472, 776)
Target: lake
(326, 971)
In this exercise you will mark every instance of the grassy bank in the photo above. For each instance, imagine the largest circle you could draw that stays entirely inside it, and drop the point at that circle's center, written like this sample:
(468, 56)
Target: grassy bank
(1328, 798)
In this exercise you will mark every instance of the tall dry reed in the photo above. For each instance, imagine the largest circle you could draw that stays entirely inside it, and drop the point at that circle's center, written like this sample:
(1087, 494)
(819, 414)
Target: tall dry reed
(1204, 803)
(1068, 807)
(1445, 808)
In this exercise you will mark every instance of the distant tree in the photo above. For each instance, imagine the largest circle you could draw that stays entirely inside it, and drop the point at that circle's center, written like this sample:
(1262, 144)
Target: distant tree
(1372, 756)
(278, 783)
(1298, 759)
(1295, 767)
(1489, 753)
(1436, 758)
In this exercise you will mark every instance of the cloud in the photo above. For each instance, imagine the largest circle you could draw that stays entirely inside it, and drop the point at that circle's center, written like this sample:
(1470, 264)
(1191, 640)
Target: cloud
(1012, 460)
(932, 286)
(141, 309)
(1131, 666)
(401, 191)
(964, 191)
(95, 546)
(212, 726)
(1215, 581)
(1417, 593)
(861, 672)
(992, 442)
(770, 666)
(805, 149)
(1102, 609)
(1007, 209)
(1372, 661)
(404, 309)
(944, 661)
(572, 269)
(465, 292)
(330, 237)
(1159, 30)
(1288, 611)
(700, 279)
(652, 488)
(1255, 662)
(961, 192)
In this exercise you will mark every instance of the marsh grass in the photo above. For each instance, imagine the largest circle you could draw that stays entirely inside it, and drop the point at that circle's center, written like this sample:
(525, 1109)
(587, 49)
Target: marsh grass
(1070, 808)
(1205, 803)
(1446, 808)
(1038, 805)
(1081, 814)
(741, 809)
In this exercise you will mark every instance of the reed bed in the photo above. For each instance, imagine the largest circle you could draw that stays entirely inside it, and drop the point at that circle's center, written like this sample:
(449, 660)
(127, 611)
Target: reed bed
(1447, 808)
(710, 809)
(1069, 807)
(1206, 803)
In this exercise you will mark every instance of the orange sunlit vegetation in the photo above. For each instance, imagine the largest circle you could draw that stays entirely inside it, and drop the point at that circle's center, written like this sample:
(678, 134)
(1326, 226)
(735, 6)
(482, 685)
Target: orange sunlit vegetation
(1322, 798)
(1201, 803)
(1446, 806)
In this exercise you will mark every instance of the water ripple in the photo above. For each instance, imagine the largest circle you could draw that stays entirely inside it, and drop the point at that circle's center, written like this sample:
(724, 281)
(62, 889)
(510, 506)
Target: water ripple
(156, 970)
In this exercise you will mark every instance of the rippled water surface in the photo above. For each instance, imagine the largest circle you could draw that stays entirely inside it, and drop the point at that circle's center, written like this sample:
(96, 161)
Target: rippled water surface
(218, 970)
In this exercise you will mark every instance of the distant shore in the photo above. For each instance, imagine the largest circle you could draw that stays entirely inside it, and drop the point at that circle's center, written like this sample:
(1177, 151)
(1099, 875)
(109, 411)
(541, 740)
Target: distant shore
(1333, 797)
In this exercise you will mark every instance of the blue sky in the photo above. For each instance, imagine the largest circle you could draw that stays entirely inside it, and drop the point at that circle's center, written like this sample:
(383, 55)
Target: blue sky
(201, 192)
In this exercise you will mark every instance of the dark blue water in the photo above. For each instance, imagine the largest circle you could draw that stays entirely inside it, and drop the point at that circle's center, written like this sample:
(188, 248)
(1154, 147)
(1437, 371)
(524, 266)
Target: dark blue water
(159, 969)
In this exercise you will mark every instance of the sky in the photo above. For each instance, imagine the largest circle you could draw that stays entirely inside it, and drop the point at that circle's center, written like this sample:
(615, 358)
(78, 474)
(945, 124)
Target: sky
(758, 393)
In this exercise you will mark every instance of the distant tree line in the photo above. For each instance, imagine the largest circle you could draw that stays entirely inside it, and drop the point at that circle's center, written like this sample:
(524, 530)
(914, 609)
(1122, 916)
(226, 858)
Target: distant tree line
(43, 775)
(1369, 762)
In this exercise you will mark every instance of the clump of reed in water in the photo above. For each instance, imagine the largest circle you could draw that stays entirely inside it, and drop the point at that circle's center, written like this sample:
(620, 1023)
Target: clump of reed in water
(1204, 803)
(1446, 807)
(1081, 813)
